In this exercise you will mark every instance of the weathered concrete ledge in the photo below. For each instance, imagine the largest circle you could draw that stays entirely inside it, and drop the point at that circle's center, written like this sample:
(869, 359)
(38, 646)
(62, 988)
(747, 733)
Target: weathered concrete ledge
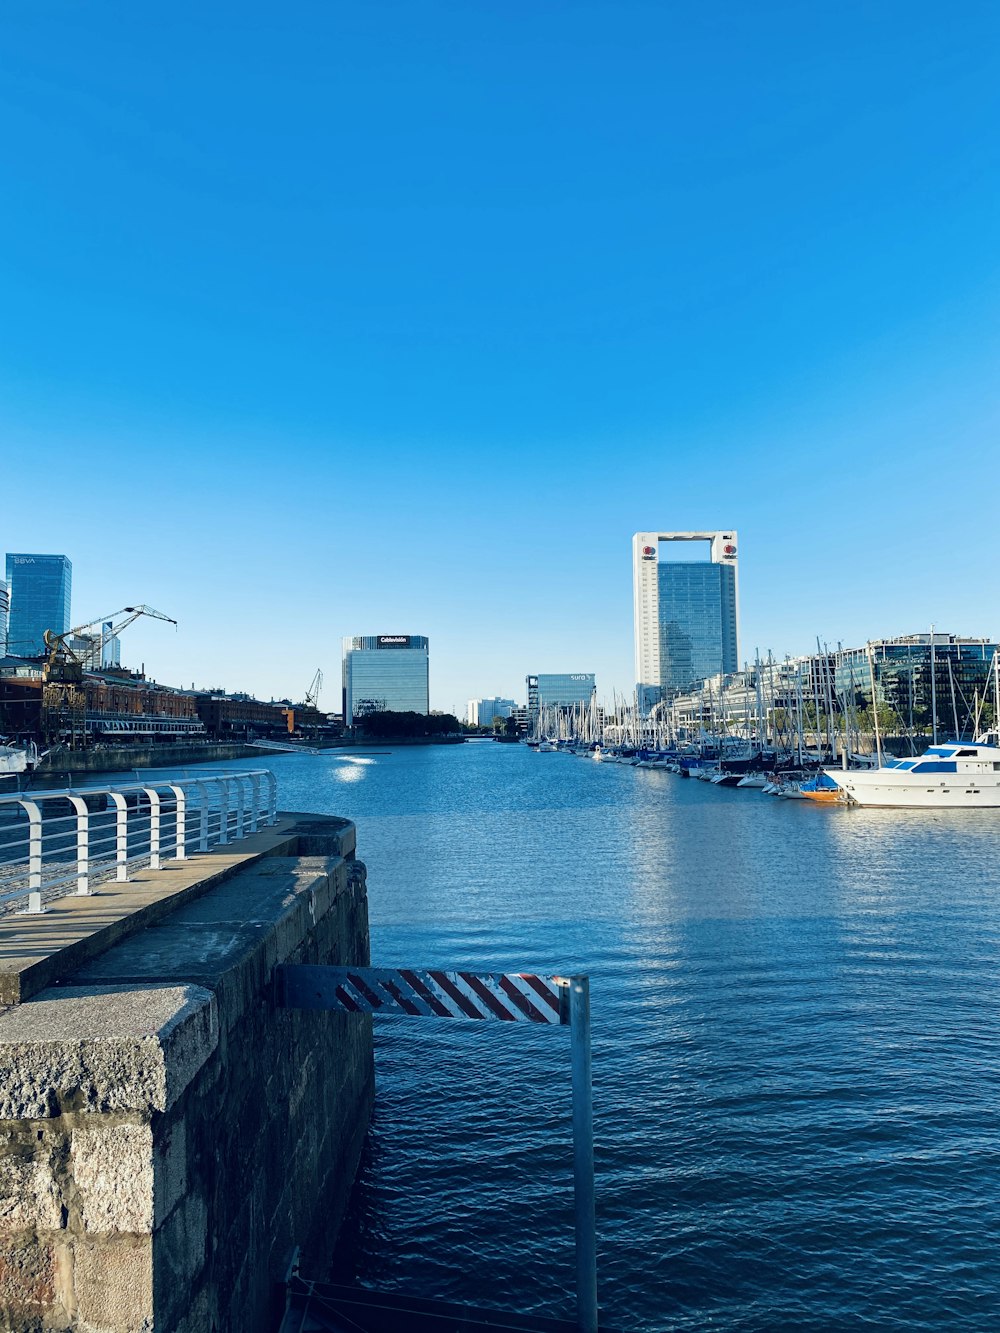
(167, 1134)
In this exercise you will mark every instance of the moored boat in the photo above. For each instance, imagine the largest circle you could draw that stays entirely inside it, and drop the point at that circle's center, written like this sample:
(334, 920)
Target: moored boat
(956, 775)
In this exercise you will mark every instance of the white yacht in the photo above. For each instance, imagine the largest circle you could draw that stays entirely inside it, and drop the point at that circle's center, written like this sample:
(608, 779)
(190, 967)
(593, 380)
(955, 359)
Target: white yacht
(16, 759)
(956, 775)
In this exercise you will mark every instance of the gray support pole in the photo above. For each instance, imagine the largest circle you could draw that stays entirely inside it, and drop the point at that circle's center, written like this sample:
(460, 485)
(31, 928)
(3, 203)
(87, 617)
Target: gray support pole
(583, 1155)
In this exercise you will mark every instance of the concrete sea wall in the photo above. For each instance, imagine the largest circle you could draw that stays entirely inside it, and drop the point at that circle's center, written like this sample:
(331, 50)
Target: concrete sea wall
(167, 1133)
(122, 758)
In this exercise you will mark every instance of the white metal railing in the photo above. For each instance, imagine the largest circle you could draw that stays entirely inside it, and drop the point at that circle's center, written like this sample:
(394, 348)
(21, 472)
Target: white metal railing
(58, 842)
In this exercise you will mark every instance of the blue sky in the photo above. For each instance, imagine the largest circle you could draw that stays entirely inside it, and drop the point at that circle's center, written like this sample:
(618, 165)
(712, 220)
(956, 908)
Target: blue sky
(404, 317)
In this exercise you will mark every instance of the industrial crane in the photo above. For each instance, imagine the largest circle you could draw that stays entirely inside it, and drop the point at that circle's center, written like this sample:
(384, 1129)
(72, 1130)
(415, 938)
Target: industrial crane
(312, 693)
(63, 664)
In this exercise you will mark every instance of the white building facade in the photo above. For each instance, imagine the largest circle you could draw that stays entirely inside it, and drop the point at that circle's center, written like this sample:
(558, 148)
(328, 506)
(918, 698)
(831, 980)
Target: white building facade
(481, 712)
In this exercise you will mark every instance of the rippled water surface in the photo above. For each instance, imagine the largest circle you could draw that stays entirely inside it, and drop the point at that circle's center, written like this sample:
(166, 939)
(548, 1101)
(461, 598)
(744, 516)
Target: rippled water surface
(796, 1072)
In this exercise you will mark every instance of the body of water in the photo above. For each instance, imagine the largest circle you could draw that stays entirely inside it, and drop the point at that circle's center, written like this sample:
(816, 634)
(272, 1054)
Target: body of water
(796, 1044)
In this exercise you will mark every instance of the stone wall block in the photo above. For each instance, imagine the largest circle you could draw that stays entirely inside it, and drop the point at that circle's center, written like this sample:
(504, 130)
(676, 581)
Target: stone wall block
(181, 1252)
(112, 1166)
(29, 1193)
(27, 1275)
(103, 1048)
(113, 1285)
(170, 1167)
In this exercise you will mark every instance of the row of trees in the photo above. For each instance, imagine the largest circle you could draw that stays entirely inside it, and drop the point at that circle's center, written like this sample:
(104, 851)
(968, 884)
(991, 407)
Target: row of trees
(386, 725)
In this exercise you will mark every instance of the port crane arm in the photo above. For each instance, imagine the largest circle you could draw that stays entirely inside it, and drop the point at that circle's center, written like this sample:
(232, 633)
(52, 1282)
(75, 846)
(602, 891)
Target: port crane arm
(312, 693)
(58, 644)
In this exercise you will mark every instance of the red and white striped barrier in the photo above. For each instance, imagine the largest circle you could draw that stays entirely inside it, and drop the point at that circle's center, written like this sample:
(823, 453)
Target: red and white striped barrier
(513, 997)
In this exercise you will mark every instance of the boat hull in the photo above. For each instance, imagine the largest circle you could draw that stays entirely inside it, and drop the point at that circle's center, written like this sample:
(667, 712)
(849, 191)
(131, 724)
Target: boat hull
(952, 792)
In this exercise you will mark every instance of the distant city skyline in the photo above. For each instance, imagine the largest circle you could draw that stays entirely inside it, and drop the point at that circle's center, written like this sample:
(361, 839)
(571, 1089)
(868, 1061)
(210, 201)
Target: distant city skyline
(417, 321)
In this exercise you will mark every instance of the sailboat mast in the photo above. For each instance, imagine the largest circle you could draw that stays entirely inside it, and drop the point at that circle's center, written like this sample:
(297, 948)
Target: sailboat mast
(934, 728)
(954, 706)
(878, 735)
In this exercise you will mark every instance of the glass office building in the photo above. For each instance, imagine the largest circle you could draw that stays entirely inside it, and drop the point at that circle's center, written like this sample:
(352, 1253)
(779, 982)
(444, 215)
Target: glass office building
(4, 608)
(697, 623)
(40, 588)
(919, 677)
(386, 673)
(686, 613)
(559, 690)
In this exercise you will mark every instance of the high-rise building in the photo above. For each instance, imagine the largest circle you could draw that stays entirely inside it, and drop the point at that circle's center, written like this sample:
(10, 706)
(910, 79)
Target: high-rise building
(40, 590)
(559, 690)
(4, 608)
(686, 613)
(481, 712)
(385, 673)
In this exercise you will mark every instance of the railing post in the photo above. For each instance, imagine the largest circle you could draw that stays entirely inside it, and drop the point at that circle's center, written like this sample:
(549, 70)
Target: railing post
(154, 827)
(121, 835)
(203, 817)
(240, 806)
(272, 796)
(254, 800)
(180, 838)
(82, 844)
(223, 811)
(583, 1155)
(34, 843)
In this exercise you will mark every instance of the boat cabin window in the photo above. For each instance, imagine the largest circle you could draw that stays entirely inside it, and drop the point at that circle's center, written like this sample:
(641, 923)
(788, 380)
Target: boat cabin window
(936, 766)
(967, 754)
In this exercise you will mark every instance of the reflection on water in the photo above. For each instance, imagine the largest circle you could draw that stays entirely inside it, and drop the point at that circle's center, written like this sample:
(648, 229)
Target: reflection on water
(796, 1044)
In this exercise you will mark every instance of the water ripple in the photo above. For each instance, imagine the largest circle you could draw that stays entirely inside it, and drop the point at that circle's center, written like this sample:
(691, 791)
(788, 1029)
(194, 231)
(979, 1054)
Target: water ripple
(796, 1046)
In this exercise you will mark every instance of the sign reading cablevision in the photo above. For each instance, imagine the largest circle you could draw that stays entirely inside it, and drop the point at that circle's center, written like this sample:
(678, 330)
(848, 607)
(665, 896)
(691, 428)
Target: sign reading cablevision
(394, 640)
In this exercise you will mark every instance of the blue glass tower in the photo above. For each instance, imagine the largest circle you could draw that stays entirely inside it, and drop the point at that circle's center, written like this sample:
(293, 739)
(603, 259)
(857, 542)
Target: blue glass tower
(40, 591)
(697, 623)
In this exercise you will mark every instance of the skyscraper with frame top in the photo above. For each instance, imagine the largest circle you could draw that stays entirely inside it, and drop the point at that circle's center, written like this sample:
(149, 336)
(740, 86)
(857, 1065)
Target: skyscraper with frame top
(686, 612)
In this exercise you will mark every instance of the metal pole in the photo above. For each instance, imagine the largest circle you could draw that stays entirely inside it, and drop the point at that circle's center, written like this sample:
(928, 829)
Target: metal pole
(933, 689)
(583, 1155)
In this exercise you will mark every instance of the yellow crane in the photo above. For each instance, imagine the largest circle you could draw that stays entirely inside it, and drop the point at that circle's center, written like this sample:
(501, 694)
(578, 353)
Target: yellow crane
(63, 664)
